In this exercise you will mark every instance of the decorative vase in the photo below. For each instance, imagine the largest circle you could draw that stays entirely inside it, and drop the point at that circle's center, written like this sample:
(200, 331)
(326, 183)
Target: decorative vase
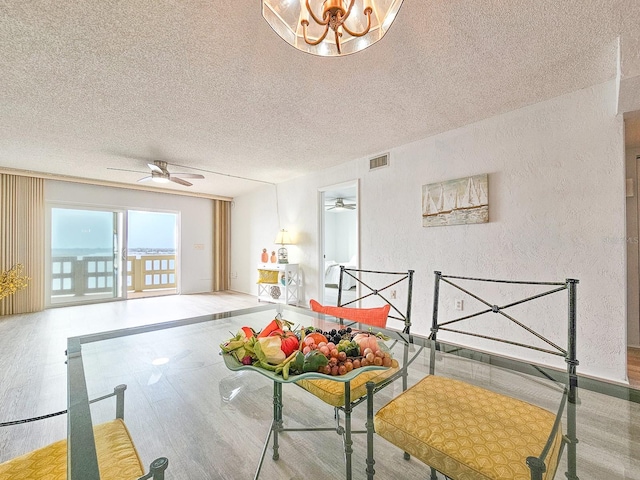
(265, 256)
(273, 257)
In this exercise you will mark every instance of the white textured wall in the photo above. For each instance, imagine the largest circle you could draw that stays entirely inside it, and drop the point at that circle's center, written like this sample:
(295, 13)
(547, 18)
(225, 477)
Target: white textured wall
(557, 210)
(196, 214)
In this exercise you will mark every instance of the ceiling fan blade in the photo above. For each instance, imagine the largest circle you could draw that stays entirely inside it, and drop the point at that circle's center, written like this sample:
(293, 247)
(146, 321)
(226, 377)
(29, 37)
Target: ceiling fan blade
(145, 179)
(154, 168)
(187, 175)
(125, 170)
(180, 181)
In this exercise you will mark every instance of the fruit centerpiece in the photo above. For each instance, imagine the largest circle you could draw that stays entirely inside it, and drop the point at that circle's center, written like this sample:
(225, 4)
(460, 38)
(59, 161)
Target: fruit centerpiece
(280, 348)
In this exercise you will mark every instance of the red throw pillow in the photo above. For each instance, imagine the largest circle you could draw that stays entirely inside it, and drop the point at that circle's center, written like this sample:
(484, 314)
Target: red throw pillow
(376, 317)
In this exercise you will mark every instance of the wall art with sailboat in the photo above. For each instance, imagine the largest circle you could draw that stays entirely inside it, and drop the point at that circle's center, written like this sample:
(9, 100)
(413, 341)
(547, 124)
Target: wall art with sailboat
(456, 202)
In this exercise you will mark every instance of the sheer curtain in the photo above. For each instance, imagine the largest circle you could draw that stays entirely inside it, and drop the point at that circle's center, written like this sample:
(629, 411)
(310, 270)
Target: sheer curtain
(22, 239)
(221, 244)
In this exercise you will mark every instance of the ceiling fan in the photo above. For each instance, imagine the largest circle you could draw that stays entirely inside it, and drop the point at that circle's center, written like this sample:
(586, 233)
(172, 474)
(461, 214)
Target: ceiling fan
(160, 174)
(340, 205)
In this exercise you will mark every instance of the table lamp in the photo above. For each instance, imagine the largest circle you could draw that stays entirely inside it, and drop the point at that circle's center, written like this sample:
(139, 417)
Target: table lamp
(283, 238)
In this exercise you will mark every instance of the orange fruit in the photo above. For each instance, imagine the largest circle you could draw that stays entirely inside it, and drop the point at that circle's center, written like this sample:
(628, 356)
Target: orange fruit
(317, 337)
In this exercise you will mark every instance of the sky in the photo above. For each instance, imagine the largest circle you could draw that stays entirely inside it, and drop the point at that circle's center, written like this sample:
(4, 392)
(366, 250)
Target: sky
(94, 229)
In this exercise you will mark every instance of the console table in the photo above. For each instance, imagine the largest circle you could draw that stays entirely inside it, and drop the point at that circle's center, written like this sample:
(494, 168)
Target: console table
(284, 287)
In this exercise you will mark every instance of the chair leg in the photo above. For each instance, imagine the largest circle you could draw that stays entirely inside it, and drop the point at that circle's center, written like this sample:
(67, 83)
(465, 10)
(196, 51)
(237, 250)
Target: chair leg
(434, 474)
(572, 473)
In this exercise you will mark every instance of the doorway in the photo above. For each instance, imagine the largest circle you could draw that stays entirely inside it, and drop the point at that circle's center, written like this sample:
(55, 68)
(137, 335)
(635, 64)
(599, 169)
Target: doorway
(340, 239)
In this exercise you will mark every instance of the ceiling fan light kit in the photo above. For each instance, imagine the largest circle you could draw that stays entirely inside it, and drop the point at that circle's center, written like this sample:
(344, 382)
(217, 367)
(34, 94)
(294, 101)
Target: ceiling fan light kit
(160, 174)
(330, 28)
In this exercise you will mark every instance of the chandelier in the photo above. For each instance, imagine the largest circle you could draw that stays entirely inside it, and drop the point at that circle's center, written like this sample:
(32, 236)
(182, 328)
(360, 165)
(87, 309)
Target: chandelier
(330, 27)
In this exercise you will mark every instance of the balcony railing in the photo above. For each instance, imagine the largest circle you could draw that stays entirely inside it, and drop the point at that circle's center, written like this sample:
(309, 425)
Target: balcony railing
(151, 272)
(88, 275)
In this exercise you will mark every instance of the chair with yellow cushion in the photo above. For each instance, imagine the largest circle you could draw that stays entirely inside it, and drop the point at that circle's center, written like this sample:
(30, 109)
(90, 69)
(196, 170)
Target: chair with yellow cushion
(468, 432)
(386, 297)
(117, 456)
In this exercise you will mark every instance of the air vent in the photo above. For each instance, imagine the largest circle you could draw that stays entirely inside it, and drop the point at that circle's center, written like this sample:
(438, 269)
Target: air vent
(379, 162)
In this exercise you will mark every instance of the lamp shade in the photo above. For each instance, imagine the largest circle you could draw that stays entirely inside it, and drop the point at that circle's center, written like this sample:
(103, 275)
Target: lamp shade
(283, 238)
(330, 27)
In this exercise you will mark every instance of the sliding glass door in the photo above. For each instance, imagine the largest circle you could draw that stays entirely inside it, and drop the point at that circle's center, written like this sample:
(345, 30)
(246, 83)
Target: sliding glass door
(85, 261)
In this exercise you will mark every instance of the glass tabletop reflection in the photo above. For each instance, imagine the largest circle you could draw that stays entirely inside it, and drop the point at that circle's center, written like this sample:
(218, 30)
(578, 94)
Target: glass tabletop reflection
(184, 403)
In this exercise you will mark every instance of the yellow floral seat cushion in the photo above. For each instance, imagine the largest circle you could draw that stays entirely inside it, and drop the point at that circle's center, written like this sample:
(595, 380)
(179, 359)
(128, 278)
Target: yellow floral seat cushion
(467, 432)
(332, 392)
(117, 458)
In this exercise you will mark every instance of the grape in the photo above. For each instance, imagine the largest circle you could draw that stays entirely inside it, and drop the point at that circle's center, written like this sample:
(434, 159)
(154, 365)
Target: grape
(377, 361)
(342, 370)
(370, 356)
(367, 351)
(306, 349)
(386, 362)
(342, 356)
(324, 349)
(349, 365)
(334, 370)
(356, 363)
(334, 352)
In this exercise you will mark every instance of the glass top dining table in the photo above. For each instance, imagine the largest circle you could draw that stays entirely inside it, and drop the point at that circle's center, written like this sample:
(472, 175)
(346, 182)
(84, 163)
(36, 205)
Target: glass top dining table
(183, 402)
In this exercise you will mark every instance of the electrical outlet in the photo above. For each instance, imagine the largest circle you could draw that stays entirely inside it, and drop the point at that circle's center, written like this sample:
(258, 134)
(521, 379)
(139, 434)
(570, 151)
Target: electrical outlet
(234, 274)
(459, 304)
(393, 294)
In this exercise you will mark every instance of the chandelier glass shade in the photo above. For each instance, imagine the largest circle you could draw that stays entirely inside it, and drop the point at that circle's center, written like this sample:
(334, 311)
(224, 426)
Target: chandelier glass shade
(330, 28)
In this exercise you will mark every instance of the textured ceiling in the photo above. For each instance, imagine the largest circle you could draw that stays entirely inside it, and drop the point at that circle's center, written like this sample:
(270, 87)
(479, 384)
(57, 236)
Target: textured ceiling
(91, 84)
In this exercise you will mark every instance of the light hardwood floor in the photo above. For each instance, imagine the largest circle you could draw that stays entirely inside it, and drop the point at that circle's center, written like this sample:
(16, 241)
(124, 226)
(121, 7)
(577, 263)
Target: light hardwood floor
(211, 422)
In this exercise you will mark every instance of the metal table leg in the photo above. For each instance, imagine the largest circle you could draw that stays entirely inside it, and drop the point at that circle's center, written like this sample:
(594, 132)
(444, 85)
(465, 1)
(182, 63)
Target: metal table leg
(348, 450)
(274, 429)
(370, 430)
